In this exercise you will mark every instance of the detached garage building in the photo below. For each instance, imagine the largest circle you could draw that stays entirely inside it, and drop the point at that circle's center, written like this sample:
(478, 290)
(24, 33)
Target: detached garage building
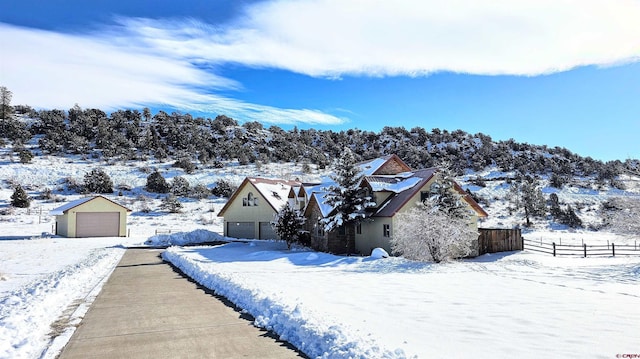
(91, 217)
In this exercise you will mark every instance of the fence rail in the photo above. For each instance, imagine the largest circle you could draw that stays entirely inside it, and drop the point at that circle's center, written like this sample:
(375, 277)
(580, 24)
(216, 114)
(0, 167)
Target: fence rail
(167, 231)
(583, 250)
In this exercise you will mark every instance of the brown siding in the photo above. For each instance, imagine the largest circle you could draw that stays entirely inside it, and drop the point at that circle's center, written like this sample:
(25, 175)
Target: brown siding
(342, 243)
(391, 168)
(499, 240)
(318, 243)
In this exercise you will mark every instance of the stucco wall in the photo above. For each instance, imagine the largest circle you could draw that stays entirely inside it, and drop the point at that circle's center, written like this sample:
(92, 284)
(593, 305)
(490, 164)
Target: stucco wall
(372, 236)
(236, 212)
(372, 232)
(67, 222)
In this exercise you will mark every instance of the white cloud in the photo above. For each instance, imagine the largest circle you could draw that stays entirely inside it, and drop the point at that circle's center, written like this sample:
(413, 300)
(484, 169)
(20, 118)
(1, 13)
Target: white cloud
(53, 70)
(145, 61)
(378, 37)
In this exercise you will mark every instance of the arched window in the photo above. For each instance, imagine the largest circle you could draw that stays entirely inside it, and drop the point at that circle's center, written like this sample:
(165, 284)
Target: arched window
(250, 200)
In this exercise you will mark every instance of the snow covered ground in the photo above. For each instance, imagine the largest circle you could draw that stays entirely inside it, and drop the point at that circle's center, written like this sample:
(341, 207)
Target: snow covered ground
(515, 304)
(523, 304)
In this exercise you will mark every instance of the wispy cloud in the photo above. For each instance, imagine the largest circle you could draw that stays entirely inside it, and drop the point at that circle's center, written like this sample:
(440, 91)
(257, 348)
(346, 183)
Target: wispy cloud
(55, 70)
(387, 38)
(138, 61)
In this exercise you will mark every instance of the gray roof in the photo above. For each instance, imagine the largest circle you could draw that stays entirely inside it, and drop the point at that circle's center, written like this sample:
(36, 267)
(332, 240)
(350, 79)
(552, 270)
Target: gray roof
(60, 211)
(399, 199)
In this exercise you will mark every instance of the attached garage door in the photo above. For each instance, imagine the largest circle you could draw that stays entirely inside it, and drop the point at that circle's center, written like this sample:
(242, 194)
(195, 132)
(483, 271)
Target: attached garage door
(240, 230)
(97, 224)
(266, 231)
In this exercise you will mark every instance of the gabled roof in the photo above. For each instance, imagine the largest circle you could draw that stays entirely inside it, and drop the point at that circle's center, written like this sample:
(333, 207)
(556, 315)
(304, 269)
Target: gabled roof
(62, 210)
(418, 179)
(317, 198)
(274, 191)
(405, 188)
(396, 184)
(377, 166)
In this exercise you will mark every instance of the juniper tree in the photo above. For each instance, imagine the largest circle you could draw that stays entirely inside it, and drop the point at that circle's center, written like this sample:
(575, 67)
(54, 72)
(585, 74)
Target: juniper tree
(287, 224)
(19, 198)
(98, 181)
(527, 196)
(180, 186)
(222, 189)
(156, 183)
(171, 203)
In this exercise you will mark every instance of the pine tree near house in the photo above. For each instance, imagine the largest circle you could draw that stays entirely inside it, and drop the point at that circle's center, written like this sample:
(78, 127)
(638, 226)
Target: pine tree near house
(445, 197)
(288, 224)
(19, 198)
(346, 197)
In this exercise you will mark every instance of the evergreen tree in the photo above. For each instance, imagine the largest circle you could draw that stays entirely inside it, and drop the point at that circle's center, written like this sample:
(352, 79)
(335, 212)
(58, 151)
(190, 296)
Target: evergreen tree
(554, 207)
(156, 183)
(19, 198)
(527, 196)
(199, 191)
(25, 156)
(5, 102)
(348, 200)
(180, 186)
(288, 224)
(222, 189)
(171, 203)
(570, 218)
(98, 181)
(445, 196)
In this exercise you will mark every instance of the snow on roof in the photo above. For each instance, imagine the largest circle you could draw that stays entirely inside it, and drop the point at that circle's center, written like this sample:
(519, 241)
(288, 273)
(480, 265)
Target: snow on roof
(370, 167)
(274, 191)
(65, 207)
(309, 189)
(325, 208)
(392, 184)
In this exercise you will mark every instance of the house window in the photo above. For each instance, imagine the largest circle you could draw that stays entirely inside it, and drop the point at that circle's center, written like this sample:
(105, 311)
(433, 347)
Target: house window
(342, 230)
(359, 228)
(249, 201)
(319, 229)
(386, 230)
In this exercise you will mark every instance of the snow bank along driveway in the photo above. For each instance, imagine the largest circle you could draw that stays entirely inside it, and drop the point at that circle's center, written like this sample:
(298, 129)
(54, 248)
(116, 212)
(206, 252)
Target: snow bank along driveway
(515, 304)
(46, 285)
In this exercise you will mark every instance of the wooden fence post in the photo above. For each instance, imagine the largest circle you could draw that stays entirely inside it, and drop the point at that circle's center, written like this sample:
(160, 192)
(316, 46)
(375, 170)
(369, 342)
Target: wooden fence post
(554, 249)
(613, 249)
(585, 250)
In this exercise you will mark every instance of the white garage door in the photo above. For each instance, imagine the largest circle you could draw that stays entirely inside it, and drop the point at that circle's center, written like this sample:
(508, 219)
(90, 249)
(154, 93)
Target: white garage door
(266, 231)
(97, 224)
(240, 230)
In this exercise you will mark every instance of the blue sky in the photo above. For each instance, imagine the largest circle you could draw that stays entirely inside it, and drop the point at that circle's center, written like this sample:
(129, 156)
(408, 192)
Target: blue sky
(561, 73)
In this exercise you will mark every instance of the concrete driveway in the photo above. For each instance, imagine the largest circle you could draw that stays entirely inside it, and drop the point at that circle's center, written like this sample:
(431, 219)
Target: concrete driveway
(147, 309)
